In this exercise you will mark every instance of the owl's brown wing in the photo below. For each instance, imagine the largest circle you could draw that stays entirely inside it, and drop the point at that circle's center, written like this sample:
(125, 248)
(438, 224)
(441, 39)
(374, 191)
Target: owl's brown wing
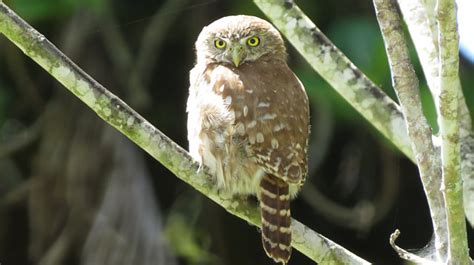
(271, 115)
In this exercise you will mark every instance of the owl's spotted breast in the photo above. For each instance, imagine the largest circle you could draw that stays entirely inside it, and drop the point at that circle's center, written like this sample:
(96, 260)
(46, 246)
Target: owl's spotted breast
(270, 111)
(262, 117)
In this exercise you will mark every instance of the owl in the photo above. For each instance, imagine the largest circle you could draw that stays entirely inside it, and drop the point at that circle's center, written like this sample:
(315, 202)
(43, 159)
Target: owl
(248, 120)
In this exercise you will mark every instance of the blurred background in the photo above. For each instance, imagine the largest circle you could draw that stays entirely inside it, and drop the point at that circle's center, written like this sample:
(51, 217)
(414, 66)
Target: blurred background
(74, 191)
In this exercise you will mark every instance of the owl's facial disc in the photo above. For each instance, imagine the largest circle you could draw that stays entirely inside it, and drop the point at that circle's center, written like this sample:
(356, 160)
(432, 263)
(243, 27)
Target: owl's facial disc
(239, 40)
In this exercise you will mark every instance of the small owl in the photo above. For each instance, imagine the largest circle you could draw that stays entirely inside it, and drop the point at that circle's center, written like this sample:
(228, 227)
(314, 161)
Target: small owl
(248, 120)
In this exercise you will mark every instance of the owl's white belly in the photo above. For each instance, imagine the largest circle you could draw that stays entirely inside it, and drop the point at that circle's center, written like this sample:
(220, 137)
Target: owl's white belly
(214, 143)
(233, 171)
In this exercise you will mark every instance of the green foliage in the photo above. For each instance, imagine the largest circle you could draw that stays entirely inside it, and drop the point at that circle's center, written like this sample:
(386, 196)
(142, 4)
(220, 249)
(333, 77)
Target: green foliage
(467, 79)
(429, 107)
(183, 233)
(185, 240)
(359, 38)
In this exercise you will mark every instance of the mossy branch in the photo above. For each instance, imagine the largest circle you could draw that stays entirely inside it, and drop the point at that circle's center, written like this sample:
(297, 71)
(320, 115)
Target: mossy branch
(118, 114)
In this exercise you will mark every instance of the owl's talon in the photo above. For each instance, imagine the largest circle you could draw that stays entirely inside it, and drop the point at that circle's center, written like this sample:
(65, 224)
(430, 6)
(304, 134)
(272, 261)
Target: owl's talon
(200, 168)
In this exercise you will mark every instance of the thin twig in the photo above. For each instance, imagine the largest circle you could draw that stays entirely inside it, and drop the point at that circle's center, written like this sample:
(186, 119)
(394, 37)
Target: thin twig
(137, 71)
(17, 195)
(154, 36)
(27, 87)
(405, 83)
(407, 255)
(118, 114)
(21, 139)
(118, 50)
(449, 88)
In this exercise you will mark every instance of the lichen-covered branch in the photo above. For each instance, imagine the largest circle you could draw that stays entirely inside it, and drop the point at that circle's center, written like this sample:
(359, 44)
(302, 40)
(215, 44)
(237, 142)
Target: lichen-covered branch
(118, 114)
(382, 112)
(406, 86)
(449, 88)
(424, 38)
(420, 18)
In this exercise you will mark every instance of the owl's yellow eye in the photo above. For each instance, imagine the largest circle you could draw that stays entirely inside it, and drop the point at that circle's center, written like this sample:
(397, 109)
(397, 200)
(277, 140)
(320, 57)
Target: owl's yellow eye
(220, 44)
(253, 41)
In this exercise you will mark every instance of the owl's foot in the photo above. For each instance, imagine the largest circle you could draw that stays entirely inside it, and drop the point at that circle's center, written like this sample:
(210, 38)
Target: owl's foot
(200, 168)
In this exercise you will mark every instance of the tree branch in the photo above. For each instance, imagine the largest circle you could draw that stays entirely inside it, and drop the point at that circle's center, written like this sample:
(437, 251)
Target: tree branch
(424, 38)
(449, 89)
(420, 18)
(118, 114)
(405, 83)
(359, 91)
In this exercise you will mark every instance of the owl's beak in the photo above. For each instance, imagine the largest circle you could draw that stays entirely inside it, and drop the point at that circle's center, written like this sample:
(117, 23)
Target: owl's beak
(237, 56)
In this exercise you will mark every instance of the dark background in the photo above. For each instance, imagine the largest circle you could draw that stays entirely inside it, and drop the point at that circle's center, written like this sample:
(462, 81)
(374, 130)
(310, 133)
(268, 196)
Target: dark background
(73, 191)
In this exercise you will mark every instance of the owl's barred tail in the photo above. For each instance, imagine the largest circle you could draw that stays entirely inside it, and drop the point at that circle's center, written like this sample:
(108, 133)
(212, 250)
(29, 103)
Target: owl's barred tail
(276, 219)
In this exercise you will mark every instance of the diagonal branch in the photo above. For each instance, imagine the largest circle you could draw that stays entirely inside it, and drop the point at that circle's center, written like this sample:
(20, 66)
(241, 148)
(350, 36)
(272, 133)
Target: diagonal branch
(118, 114)
(405, 83)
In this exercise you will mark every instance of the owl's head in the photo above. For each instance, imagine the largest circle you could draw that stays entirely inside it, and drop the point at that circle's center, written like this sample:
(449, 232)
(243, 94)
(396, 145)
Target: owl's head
(237, 40)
